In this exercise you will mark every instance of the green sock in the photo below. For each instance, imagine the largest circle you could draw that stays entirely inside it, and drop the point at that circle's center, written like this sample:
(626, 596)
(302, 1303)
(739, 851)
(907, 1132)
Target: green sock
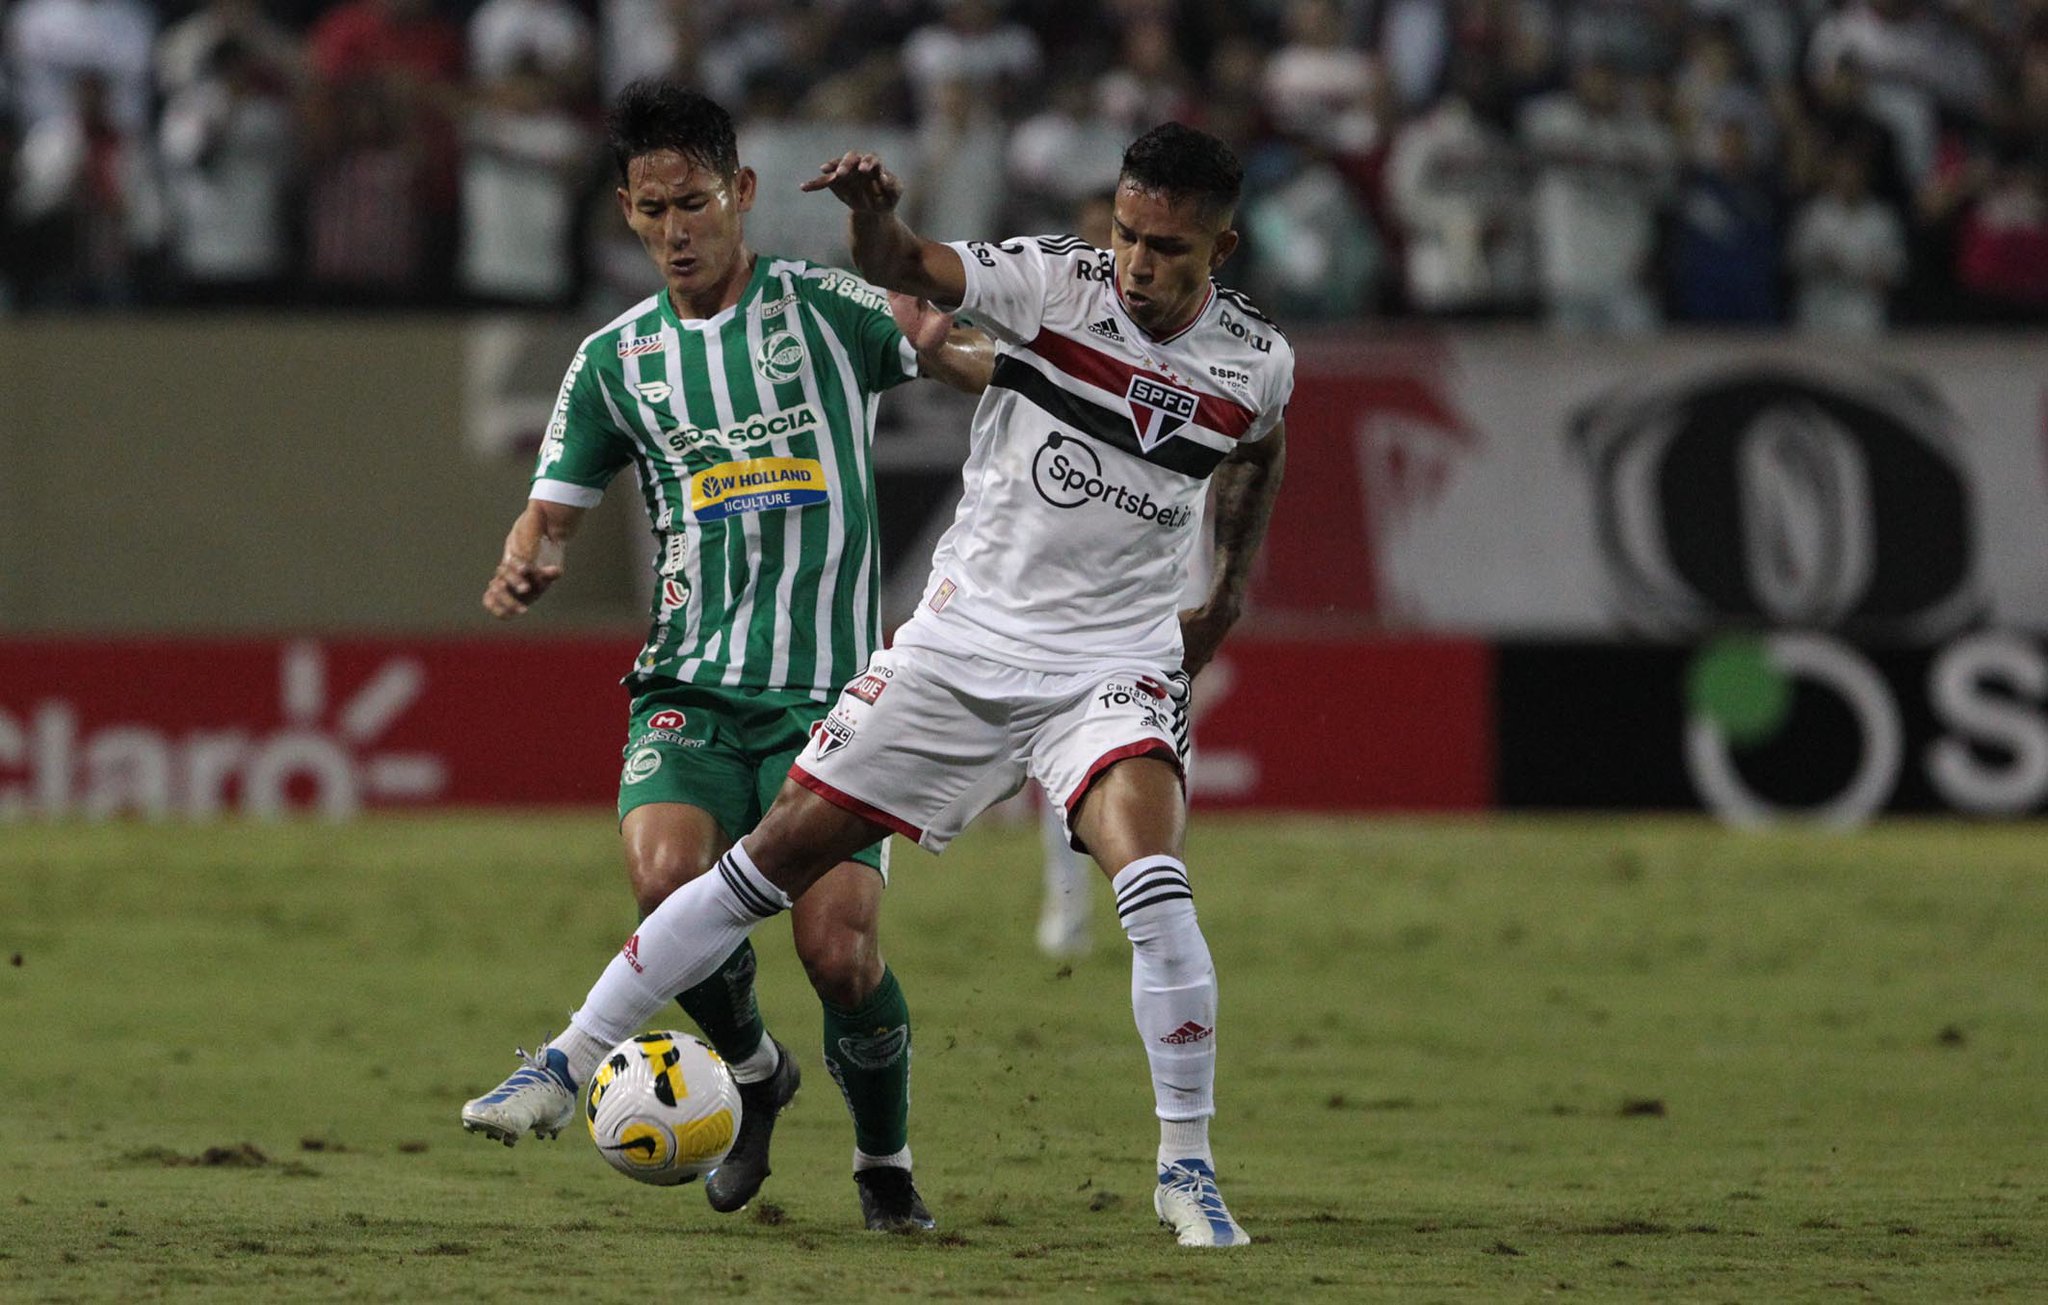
(724, 1007)
(868, 1051)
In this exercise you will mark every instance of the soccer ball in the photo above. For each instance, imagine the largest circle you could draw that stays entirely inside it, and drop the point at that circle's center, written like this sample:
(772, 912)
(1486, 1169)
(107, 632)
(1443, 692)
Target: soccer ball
(663, 1108)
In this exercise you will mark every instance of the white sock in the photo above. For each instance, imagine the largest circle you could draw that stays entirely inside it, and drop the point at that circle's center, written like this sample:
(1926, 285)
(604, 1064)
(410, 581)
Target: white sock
(759, 1066)
(1173, 998)
(679, 946)
(899, 1160)
(1184, 1139)
(583, 1051)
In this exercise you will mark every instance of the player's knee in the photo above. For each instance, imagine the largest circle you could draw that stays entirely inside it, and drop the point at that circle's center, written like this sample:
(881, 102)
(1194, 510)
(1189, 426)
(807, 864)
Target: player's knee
(801, 838)
(844, 964)
(659, 867)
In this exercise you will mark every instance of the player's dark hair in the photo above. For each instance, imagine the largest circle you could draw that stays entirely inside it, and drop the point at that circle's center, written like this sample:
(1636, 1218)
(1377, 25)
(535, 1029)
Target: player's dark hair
(1182, 163)
(652, 114)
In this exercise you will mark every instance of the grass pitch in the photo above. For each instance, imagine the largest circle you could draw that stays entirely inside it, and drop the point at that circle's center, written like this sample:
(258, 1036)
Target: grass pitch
(1620, 1060)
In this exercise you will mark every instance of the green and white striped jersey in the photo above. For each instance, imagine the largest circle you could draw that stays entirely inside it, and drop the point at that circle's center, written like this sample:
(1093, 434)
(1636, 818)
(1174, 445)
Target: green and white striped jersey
(750, 432)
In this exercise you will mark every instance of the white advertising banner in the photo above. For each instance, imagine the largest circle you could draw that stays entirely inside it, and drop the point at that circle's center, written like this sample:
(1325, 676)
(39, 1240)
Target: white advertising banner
(1514, 484)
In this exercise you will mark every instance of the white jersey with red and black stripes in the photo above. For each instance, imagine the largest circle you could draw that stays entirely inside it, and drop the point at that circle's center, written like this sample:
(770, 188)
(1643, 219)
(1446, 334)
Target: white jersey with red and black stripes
(1089, 459)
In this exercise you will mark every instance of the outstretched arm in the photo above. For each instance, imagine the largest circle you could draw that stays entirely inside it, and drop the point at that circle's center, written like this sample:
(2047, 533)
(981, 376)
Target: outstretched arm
(533, 557)
(1245, 487)
(959, 356)
(886, 251)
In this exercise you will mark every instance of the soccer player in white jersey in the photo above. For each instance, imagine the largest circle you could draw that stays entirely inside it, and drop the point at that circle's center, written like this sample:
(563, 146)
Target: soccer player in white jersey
(743, 395)
(1049, 641)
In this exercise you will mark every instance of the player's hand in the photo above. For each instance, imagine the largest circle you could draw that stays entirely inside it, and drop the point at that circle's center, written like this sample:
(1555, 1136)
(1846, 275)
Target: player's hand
(923, 325)
(523, 575)
(1202, 630)
(860, 181)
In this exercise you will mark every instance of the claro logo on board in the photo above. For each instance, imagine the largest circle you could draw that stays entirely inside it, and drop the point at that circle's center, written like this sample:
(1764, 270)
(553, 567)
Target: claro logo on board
(324, 761)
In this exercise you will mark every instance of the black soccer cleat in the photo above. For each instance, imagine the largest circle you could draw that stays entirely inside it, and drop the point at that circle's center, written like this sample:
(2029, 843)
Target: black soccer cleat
(740, 1175)
(890, 1203)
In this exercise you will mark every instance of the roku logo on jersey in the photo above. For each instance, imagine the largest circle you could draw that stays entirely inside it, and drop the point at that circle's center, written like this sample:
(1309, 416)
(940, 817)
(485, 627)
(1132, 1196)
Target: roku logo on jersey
(746, 434)
(1067, 473)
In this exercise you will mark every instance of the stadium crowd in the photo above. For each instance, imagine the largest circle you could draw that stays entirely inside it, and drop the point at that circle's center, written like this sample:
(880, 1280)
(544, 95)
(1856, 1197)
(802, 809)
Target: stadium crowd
(1604, 165)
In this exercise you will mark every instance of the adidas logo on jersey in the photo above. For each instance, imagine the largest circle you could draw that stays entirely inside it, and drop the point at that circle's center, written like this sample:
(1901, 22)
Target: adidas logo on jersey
(1106, 328)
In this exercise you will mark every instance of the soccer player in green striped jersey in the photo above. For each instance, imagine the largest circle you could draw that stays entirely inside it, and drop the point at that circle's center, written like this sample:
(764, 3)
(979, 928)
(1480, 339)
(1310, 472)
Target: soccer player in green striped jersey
(743, 395)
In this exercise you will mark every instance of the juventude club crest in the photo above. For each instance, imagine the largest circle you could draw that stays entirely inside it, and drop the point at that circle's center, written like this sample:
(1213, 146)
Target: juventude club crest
(781, 357)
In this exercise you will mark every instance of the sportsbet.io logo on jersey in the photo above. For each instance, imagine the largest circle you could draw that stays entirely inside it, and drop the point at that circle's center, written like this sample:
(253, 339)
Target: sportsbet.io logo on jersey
(757, 485)
(1068, 474)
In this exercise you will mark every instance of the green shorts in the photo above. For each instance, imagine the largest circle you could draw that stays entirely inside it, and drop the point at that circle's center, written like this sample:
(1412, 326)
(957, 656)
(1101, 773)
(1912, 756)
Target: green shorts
(726, 751)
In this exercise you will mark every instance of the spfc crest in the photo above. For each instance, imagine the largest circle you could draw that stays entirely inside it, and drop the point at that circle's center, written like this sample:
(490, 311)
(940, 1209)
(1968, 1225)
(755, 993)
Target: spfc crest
(1158, 410)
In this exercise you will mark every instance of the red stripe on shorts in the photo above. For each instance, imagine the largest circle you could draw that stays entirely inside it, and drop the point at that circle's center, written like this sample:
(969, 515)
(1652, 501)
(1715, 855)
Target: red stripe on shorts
(1142, 748)
(848, 802)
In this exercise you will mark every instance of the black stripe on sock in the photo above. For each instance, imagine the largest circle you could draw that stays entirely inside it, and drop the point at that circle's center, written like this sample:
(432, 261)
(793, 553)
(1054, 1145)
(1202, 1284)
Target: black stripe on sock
(1164, 895)
(750, 896)
(1157, 877)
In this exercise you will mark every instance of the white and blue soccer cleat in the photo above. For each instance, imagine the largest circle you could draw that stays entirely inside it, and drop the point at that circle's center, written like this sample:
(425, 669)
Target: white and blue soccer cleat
(1189, 1203)
(540, 1096)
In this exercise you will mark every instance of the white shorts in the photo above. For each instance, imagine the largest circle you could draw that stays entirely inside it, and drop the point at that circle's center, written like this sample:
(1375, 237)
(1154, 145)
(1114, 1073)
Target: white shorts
(926, 740)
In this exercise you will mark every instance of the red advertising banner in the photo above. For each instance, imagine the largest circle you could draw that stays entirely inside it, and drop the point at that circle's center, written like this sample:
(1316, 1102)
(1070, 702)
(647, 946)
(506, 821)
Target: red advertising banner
(192, 730)
(1345, 725)
(197, 730)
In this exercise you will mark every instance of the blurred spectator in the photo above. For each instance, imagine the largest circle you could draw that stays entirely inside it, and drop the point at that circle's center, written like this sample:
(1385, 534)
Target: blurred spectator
(2002, 247)
(1769, 31)
(187, 53)
(964, 146)
(1603, 167)
(393, 39)
(1838, 123)
(1454, 183)
(52, 44)
(1320, 90)
(654, 38)
(974, 45)
(1848, 250)
(1715, 86)
(369, 220)
(1148, 86)
(1914, 65)
(763, 38)
(526, 164)
(1062, 153)
(1315, 253)
(1232, 106)
(1724, 257)
(1094, 218)
(385, 110)
(86, 202)
(1637, 38)
(228, 145)
(547, 36)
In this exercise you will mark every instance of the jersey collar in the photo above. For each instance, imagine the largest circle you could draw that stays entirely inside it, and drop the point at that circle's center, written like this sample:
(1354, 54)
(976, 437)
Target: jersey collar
(723, 315)
(1117, 292)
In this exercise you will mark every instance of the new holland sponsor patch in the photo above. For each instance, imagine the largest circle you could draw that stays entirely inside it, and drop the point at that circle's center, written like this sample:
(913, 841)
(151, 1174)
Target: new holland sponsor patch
(757, 485)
